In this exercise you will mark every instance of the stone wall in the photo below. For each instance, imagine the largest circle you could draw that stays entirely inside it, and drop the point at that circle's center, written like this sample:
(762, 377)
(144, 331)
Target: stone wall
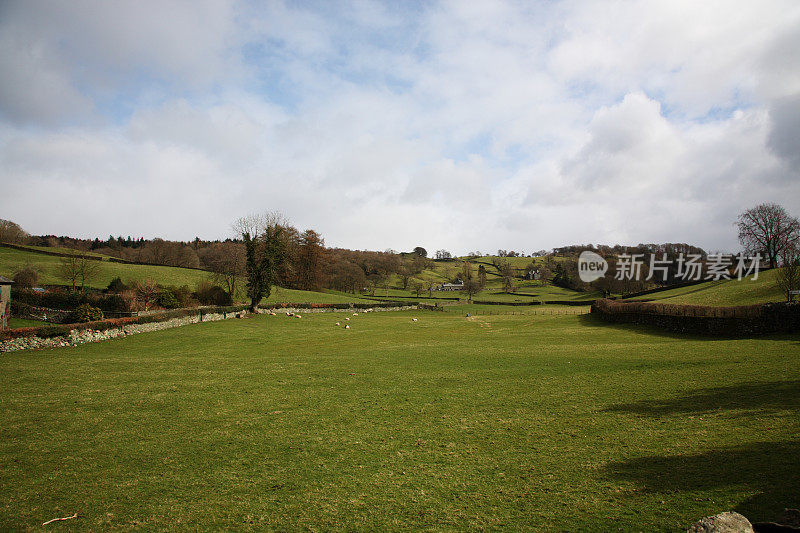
(77, 337)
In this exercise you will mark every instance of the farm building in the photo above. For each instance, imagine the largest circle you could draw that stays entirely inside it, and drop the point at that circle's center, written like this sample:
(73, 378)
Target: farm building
(451, 286)
(5, 301)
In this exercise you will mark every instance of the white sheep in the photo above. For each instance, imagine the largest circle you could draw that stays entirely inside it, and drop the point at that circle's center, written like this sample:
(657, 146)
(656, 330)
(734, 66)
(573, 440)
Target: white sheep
(355, 314)
(413, 319)
(347, 327)
(298, 316)
(347, 318)
(338, 324)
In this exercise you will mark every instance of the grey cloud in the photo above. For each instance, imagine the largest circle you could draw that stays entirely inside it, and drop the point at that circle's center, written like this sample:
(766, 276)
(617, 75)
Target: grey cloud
(784, 137)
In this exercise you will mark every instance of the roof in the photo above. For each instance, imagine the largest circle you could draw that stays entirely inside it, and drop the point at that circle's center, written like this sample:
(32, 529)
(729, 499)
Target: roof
(5, 281)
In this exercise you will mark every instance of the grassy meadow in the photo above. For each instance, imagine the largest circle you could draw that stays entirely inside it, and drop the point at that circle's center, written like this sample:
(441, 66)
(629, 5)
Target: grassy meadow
(724, 292)
(513, 421)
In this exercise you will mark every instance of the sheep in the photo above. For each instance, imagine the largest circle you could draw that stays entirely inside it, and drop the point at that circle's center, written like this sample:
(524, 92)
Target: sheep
(413, 319)
(347, 327)
(338, 324)
(355, 314)
(347, 318)
(298, 316)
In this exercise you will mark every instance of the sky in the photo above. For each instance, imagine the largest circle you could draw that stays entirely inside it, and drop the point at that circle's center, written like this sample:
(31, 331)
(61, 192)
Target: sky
(465, 126)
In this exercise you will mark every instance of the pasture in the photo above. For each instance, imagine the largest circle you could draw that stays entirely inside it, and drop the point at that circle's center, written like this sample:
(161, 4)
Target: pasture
(521, 421)
(724, 292)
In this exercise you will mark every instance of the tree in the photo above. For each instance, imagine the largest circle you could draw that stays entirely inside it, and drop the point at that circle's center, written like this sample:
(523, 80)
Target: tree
(11, 232)
(471, 288)
(405, 276)
(78, 270)
(146, 291)
(769, 230)
(226, 261)
(417, 287)
(788, 276)
(265, 251)
(309, 258)
(482, 275)
(26, 277)
(420, 251)
(443, 254)
(507, 275)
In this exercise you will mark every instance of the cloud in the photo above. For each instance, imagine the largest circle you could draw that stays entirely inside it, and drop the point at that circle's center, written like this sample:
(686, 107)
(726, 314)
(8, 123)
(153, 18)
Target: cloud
(451, 125)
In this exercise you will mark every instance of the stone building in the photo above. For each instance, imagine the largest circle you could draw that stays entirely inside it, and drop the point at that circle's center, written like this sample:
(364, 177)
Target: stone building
(5, 301)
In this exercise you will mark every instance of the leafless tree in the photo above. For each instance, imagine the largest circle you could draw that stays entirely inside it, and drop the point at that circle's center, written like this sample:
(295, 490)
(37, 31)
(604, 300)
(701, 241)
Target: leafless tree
(471, 287)
(788, 276)
(11, 232)
(768, 229)
(78, 270)
(226, 261)
(146, 291)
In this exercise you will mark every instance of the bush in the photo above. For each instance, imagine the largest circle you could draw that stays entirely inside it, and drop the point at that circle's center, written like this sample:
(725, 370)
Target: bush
(86, 313)
(26, 278)
(208, 294)
(116, 286)
(167, 300)
(114, 303)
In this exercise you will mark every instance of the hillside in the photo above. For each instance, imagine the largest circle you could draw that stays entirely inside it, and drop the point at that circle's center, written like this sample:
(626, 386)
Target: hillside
(724, 292)
(13, 259)
(446, 271)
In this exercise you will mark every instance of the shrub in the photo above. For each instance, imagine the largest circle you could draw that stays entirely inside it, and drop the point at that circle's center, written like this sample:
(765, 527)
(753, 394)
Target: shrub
(114, 303)
(86, 313)
(167, 300)
(116, 286)
(208, 294)
(26, 277)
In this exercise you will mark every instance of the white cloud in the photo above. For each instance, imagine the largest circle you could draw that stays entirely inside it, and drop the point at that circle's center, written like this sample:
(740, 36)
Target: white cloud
(460, 125)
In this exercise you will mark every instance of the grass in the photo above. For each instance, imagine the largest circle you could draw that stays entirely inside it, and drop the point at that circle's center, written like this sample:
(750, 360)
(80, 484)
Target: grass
(724, 292)
(449, 423)
(11, 260)
(25, 323)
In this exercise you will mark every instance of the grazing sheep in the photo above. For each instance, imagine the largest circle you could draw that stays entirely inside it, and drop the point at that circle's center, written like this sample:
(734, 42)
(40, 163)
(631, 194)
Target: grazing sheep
(338, 324)
(413, 319)
(347, 327)
(288, 313)
(298, 316)
(355, 314)
(347, 318)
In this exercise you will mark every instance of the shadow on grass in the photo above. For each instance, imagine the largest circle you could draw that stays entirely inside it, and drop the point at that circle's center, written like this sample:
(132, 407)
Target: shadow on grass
(768, 470)
(769, 396)
(593, 321)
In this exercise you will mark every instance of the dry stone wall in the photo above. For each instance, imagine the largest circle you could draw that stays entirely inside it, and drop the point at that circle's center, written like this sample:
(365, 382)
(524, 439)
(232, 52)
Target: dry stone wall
(77, 337)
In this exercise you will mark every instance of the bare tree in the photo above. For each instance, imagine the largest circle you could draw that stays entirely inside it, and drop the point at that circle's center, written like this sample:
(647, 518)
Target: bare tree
(11, 232)
(78, 270)
(788, 276)
(417, 287)
(226, 261)
(146, 291)
(768, 229)
(471, 287)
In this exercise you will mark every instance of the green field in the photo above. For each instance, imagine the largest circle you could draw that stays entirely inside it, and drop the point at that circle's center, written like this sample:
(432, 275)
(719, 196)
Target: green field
(450, 423)
(724, 292)
(12, 260)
